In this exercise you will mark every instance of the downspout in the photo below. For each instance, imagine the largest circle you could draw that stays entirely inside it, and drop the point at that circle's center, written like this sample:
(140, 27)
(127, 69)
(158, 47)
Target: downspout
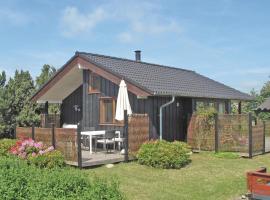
(160, 115)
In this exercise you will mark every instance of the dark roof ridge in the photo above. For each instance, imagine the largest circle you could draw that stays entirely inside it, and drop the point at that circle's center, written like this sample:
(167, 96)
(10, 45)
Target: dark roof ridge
(126, 59)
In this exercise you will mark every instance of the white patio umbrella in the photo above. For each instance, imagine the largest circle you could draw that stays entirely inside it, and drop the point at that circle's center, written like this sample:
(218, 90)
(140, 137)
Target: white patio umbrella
(122, 102)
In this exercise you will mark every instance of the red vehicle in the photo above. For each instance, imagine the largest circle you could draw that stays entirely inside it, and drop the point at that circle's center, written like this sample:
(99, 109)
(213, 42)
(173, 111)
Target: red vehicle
(258, 183)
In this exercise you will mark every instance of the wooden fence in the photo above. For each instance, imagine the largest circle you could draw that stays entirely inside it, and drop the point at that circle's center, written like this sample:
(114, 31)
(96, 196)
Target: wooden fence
(64, 140)
(138, 131)
(68, 141)
(48, 119)
(228, 132)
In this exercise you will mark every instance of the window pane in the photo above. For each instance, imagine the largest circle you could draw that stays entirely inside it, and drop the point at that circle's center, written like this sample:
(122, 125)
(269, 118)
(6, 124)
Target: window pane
(94, 82)
(221, 108)
(199, 105)
(108, 111)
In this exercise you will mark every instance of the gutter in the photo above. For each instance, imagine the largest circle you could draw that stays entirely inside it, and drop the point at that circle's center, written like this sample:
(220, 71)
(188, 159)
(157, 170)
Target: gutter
(160, 115)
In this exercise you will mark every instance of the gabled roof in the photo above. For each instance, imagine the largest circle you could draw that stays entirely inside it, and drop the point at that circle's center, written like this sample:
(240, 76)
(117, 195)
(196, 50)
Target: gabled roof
(164, 80)
(265, 106)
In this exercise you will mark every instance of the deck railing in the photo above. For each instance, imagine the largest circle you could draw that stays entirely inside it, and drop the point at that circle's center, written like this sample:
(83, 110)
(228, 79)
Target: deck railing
(63, 139)
(69, 141)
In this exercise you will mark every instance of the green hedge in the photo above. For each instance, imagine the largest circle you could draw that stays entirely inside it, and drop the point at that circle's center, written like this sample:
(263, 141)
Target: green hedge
(5, 145)
(21, 181)
(48, 160)
(162, 154)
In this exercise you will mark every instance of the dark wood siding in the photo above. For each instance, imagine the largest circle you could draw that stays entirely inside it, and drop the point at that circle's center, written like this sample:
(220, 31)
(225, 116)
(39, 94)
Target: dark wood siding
(68, 113)
(173, 116)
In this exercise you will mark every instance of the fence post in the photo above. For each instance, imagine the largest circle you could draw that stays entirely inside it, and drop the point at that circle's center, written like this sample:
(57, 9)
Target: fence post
(15, 136)
(216, 133)
(33, 131)
(53, 135)
(263, 137)
(79, 145)
(250, 150)
(126, 134)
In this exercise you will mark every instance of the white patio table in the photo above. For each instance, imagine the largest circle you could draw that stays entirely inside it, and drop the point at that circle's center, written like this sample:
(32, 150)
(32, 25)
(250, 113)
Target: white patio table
(95, 133)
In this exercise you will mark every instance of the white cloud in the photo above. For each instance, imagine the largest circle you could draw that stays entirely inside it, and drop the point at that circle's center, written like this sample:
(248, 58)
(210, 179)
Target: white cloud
(138, 19)
(12, 16)
(155, 27)
(74, 22)
(143, 19)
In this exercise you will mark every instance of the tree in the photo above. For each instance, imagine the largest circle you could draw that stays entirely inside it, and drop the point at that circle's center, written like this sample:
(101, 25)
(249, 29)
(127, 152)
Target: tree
(265, 91)
(2, 103)
(46, 73)
(2, 79)
(16, 96)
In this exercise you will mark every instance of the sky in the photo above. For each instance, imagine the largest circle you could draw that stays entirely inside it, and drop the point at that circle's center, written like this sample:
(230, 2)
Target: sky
(226, 40)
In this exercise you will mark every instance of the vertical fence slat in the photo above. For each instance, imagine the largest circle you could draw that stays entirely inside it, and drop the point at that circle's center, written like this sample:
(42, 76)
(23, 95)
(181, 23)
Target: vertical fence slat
(216, 133)
(33, 131)
(15, 134)
(263, 137)
(79, 145)
(53, 135)
(250, 135)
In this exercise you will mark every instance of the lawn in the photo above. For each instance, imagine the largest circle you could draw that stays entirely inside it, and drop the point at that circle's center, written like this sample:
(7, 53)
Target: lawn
(207, 177)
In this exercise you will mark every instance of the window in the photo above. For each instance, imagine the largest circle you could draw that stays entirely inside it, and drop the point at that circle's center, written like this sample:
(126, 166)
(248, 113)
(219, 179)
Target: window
(221, 107)
(94, 83)
(199, 105)
(107, 110)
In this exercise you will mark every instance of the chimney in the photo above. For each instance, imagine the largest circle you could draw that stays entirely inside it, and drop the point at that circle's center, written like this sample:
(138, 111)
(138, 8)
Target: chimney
(138, 55)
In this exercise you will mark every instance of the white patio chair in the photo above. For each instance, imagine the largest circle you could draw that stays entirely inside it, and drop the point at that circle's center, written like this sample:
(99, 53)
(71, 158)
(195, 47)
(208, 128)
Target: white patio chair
(119, 139)
(107, 140)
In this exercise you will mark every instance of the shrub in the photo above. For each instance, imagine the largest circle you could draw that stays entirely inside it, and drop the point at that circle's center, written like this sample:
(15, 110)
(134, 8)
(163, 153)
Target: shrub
(162, 154)
(22, 181)
(48, 160)
(5, 145)
(38, 154)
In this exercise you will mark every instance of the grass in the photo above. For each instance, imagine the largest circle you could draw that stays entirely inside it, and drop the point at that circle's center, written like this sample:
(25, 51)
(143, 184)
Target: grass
(207, 177)
(228, 155)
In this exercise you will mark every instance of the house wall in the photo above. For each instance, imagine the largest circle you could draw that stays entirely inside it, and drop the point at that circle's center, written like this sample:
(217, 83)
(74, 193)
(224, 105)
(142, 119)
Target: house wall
(174, 116)
(68, 113)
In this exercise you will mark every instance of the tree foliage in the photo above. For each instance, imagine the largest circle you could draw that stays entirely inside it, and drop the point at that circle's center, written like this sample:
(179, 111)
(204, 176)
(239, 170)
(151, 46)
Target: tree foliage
(15, 105)
(47, 72)
(259, 98)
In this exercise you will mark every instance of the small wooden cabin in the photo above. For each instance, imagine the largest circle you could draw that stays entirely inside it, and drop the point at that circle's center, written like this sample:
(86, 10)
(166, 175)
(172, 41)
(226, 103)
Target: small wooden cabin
(87, 88)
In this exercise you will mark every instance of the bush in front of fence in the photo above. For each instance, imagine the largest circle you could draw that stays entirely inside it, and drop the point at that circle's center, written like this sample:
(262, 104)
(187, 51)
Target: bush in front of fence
(163, 154)
(5, 145)
(22, 181)
(37, 154)
(48, 160)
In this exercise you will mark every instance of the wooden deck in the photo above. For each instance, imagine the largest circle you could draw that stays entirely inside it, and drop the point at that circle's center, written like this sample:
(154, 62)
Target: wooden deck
(100, 158)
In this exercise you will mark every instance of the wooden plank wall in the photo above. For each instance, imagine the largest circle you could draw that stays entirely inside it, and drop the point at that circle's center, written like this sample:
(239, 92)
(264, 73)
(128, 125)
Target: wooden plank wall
(68, 113)
(174, 116)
